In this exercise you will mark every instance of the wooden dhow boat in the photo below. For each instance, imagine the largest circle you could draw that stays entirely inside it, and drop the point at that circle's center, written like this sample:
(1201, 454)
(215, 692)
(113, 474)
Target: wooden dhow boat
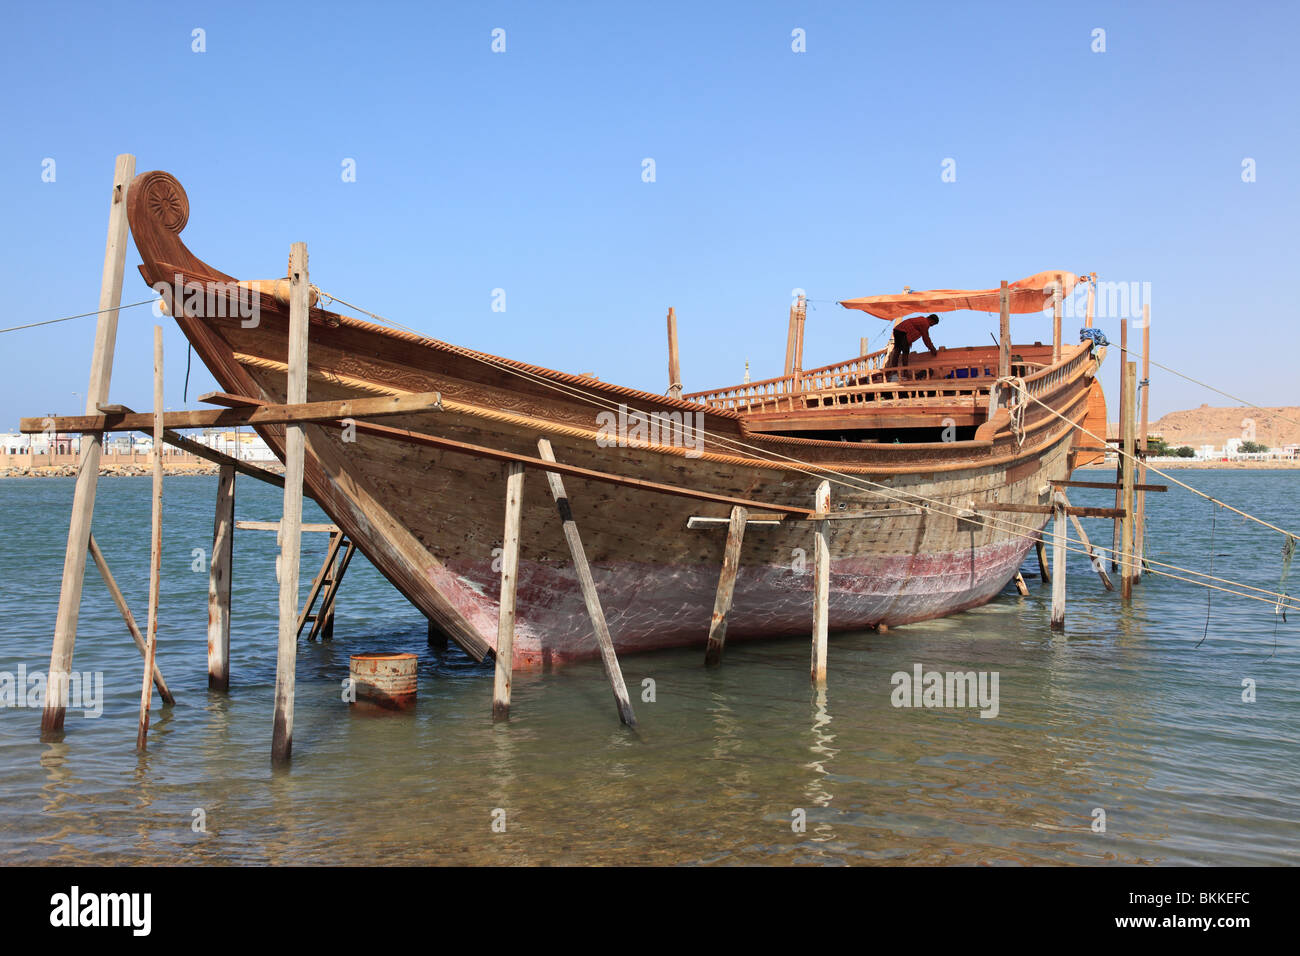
(908, 451)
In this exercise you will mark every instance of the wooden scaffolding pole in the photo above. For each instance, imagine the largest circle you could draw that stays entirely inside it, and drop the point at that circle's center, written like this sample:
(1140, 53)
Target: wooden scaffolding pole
(1087, 544)
(120, 600)
(1126, 466)
(505, 652)
(1119, 465)
(1058, 562)
(1139, 518)
(291, 523)
(588, 585)
(83, 501)
(674, 363)
(726, 585)
(821, 583)
(155, 544)
(1040, 549)
(1004, 331)
(220, 568)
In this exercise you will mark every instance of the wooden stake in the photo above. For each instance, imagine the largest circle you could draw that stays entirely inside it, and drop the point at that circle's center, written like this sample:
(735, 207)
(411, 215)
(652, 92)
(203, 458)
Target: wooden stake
(674, 364)
(102, 563)
(83, 501)
(588, 585)
(1004, 330)
(1126, 522)
(1041, 550)
(821, 584)
(1058, 563)
(1139, 518)
(220, 569)
(505, 654)
(726, 585)
(155, 544)
(290, 525)
(1021, 586)
(1056, 321)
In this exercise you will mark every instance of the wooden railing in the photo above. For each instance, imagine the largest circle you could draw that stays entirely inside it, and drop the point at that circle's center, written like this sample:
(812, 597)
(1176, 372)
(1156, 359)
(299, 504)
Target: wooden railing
(953, 376)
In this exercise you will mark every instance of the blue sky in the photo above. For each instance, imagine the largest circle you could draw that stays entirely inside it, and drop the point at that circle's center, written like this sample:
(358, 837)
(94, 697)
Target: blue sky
(775, 170)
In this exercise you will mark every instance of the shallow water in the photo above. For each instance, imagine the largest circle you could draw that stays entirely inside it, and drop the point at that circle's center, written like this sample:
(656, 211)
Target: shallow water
(1125, 714)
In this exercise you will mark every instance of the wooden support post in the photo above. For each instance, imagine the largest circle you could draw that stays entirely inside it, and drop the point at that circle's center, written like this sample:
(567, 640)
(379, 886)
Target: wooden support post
(437, 638)
(291, 523)
(1126, 461)
(1139, 517)
(1004, 331)
(1123, 416)
(1040, 549)
(1021, 586)
(111, 583)
(674, 363)
(155, 544)
(220, 569)
(1056, 321)
(1092, 298)
(1058, 562)
(505, 653)
(83, 501)
(864, 344)
(726, 585)
(821, 584)
(588, 585)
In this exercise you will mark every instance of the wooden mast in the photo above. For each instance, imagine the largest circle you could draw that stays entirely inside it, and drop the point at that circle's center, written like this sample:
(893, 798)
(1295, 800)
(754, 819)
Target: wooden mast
(1056, 321)
(674, 363)
(83, 502)
(1004, 331)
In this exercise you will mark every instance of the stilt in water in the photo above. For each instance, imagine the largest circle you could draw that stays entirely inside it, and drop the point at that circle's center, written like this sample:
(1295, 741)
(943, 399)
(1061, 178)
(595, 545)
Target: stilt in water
(821, 584)
(1058, 562)
(509, 581)
(291, 523)
(83, 501)
(726, 585)
(220, 568)
(588, 585)
(155, 545)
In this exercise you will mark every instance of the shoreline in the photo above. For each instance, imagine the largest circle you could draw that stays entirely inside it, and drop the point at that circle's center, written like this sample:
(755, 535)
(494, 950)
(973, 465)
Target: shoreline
(129, 471)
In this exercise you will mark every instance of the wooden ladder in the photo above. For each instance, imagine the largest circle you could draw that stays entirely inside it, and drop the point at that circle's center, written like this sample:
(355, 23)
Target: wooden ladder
(326, 586)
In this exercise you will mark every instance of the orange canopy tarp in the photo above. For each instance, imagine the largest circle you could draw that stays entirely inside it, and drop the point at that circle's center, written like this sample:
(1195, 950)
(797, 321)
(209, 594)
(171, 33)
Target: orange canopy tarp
(1026, 295)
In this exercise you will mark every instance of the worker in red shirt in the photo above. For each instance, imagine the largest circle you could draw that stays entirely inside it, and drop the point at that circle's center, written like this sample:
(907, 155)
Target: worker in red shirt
(907, 332)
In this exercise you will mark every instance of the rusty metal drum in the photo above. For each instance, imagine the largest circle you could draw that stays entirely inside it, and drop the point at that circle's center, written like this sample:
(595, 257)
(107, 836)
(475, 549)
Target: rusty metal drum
(383, 681)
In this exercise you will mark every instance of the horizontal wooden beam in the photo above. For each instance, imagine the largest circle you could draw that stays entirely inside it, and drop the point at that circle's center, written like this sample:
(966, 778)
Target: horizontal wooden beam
(260, 414)
(1047, 510)
(1112, 485)
(203, 451)
(497, 454)
(696, 522)
(275, 526)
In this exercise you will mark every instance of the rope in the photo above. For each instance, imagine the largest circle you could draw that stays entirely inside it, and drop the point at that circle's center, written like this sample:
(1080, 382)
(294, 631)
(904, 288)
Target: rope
(69, 318)
(839, 478)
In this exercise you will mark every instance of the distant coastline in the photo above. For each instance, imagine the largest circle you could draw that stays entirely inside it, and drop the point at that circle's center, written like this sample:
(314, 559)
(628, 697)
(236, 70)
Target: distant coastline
(127, 471)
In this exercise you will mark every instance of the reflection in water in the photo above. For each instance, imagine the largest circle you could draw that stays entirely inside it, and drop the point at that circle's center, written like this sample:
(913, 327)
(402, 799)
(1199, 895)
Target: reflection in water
(817, 793)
